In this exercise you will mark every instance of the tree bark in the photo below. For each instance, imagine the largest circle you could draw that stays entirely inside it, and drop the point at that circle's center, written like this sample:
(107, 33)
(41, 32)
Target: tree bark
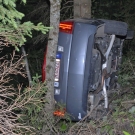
(26, 65)
(51, 52)
(82, 8)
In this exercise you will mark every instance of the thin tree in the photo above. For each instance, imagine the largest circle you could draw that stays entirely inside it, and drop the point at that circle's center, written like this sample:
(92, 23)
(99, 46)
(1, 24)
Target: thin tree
(51, 51)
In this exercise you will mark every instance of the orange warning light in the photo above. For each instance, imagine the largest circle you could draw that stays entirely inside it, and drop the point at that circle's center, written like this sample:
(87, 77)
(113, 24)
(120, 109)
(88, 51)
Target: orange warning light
(59, 113)
(66, 27)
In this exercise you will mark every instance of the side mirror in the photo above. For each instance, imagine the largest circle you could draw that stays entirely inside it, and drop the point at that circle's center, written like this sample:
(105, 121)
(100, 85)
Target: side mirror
(130, 34)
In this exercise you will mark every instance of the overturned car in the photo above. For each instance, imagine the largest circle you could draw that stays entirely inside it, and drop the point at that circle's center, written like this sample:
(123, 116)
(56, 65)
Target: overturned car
(89, 53)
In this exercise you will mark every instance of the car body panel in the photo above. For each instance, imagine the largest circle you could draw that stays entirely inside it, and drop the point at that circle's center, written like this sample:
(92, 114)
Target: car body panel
(76, 103)
(64, 41)
(75, 68)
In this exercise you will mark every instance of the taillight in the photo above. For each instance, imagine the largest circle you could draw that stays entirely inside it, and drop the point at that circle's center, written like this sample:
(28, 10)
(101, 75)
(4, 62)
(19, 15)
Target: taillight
(66, 27)
(44, 67)
(60, 113)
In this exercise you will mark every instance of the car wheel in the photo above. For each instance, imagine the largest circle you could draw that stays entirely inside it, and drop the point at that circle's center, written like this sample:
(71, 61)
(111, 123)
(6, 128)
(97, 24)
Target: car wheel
(115, 27)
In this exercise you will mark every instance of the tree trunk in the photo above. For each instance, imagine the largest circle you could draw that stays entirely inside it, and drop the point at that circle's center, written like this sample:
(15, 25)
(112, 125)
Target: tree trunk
(82, 8)
(26, 65)
(51, 52)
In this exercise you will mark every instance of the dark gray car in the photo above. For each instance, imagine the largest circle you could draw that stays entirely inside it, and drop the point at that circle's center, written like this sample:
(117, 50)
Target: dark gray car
(88, 55)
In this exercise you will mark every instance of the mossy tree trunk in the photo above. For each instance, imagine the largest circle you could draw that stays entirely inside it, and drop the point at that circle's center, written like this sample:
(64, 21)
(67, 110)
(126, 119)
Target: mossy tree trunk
(82, 8)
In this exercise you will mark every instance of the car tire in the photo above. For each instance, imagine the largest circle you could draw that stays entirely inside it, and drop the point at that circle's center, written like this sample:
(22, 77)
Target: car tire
(115, 27)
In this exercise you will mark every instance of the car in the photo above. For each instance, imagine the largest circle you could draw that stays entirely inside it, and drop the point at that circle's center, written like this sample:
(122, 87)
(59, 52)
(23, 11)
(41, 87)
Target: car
(88, 56)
